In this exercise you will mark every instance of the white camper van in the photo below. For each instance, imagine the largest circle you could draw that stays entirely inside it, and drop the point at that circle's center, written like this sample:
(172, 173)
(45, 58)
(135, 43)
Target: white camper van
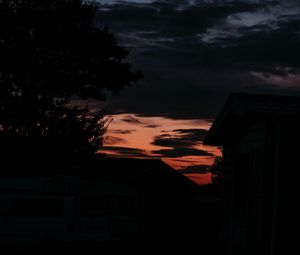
(65, 209)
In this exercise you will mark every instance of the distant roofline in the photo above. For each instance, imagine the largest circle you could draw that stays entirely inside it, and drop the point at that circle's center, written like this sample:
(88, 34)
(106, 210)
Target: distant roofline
(167, 167)
(264, 95)
(234, 98)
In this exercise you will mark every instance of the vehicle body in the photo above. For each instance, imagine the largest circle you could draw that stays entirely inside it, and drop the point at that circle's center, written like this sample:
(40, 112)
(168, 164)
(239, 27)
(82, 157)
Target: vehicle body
(76, 211)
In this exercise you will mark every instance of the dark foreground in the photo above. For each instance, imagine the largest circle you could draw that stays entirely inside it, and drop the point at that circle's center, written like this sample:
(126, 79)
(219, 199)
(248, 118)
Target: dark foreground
(149, 247)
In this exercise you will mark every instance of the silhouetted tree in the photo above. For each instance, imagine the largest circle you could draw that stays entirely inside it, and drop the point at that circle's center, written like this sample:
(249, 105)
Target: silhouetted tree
(50, 52)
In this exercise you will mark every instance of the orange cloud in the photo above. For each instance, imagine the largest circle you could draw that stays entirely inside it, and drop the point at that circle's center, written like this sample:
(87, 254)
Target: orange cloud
(134, 136)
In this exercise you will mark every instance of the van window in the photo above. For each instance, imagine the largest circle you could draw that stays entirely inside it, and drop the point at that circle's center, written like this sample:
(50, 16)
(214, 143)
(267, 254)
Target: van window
(95, 206)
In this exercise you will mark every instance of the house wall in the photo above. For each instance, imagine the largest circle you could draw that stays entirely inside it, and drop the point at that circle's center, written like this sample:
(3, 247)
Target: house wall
(286, 218)
(280, 187)
(260, 170)
(243, 191)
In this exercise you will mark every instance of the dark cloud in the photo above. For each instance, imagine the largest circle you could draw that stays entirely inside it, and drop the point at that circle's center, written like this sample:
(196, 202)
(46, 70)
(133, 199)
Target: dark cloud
(264, 50)
(172, 18)
(180, 138)
(131, 119)
(171, 142)
(274, 51)
(194, 55)
(182, 142)
(111, 140)
(122, 131)
(180, 152)
(126, 152)
(190, 94)
(196, 169)
(151, 126)
(192, 134)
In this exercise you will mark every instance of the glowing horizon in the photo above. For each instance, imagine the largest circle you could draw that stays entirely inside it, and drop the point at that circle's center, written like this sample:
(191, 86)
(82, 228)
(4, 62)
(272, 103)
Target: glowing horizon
(134, 136)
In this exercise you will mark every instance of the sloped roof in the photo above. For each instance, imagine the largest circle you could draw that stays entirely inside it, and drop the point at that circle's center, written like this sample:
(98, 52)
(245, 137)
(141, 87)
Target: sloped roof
(269, 104)
(119, 170)
(240, 108)
(23, 184)
(125, 169)
(61, 185)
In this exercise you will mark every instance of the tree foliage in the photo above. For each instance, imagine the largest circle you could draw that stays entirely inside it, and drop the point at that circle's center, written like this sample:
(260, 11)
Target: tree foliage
(50, 52)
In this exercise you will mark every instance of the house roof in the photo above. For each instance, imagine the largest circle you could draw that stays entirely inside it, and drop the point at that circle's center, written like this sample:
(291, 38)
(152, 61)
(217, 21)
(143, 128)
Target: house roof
(269, 104)
(61, 185)
(242, 108)
(127, 169)
(119, 170)
(22, 183)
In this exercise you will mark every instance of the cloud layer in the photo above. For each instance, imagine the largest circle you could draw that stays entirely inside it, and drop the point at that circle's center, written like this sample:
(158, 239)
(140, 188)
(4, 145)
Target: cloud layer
(176, 141)
(194, 53)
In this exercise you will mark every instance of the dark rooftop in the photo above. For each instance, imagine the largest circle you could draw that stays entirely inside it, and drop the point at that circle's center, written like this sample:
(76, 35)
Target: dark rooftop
(268, 104)
(121, 170)
(242, 108)
(125, 169)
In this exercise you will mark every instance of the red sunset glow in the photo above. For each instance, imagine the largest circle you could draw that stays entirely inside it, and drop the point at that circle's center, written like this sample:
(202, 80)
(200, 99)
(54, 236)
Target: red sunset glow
(134, 136)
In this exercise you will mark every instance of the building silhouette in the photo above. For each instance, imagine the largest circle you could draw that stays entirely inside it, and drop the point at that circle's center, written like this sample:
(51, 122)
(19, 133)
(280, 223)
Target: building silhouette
(260, 138)
(142, 205)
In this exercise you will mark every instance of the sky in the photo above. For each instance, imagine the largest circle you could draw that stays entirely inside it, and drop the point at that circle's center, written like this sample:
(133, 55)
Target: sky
(193, 54)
